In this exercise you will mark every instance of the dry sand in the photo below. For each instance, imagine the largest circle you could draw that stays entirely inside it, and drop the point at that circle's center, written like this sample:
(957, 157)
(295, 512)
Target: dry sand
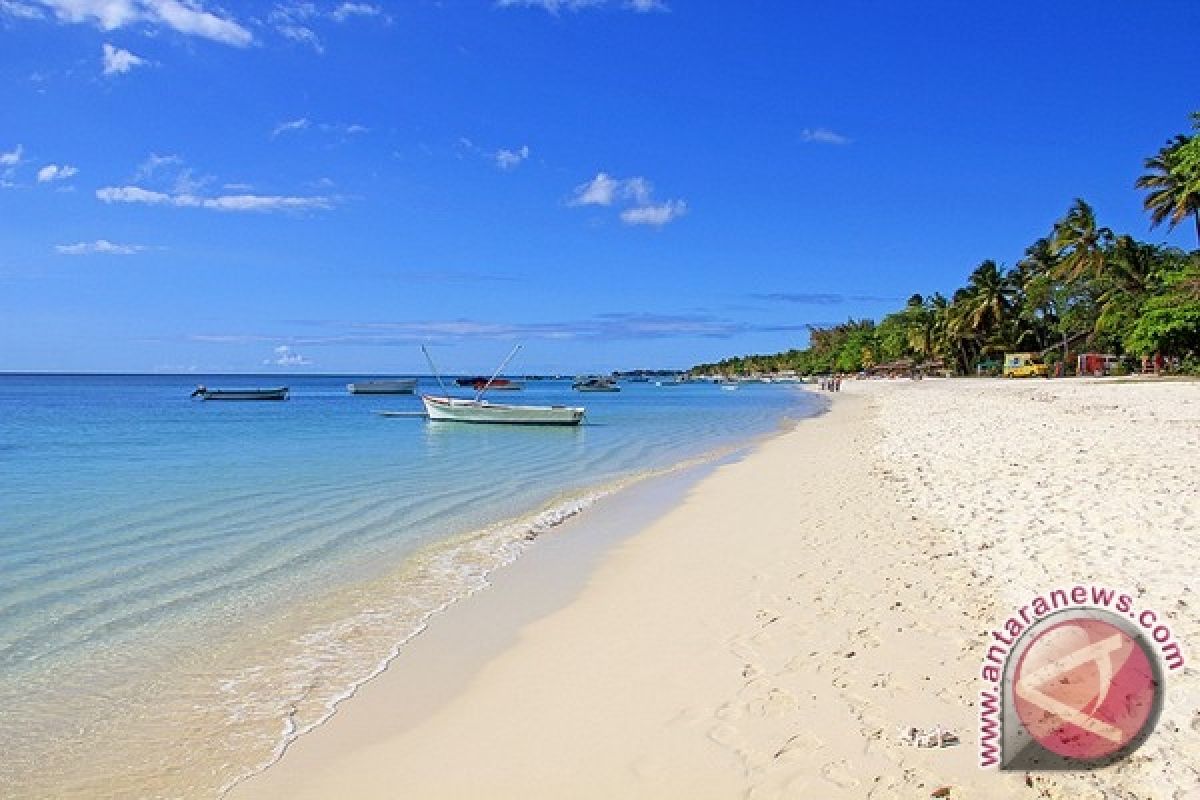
(767, 635)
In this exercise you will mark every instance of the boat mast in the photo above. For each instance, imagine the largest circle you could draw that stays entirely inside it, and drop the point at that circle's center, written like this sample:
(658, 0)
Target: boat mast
(433, 367)
(499, 369)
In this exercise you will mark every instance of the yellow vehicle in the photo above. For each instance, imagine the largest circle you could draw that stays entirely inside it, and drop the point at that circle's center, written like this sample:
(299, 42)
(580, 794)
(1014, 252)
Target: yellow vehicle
(1024, 365)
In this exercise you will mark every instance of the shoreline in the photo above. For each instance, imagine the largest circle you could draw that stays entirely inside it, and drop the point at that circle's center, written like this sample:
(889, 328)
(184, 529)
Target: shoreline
(565, 551)
(767, 635)
(568, 527)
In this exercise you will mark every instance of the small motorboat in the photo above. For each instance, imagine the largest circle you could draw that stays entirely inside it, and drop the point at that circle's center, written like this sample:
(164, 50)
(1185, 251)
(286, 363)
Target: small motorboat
(276, 393)
(478, 382)
(394, 386)
(455, 409)
(595, 383)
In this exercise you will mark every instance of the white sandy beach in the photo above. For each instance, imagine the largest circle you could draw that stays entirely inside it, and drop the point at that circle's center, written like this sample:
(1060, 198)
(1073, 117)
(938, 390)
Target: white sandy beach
(768, 635)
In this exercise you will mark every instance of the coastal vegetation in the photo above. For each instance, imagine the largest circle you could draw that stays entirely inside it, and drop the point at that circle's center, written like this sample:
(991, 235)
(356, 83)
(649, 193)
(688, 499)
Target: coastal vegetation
(1081, 287)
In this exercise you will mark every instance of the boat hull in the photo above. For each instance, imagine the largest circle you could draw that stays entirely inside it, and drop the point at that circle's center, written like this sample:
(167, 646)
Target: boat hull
(401, 386)
(449, 409)
(280, 393)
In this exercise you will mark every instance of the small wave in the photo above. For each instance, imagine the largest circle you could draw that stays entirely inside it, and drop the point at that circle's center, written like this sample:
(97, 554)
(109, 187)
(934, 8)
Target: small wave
(448, 572)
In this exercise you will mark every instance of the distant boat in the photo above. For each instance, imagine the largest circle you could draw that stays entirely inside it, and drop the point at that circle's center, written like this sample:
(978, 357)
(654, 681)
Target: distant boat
(277, 393)
(477, 382)
(638, 379)
(669, 382)
(729, 387)
(594, 383)
(454, 409)
(397, 386)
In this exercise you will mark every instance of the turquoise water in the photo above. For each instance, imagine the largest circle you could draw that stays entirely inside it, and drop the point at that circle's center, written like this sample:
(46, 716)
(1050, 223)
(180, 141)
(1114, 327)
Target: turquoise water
(202, 581)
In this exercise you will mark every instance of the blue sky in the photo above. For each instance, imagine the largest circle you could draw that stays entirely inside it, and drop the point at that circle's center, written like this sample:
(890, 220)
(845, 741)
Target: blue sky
(322, 186)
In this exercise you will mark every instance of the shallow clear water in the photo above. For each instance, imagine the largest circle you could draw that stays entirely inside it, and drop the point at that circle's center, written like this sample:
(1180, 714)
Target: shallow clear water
(187, 585)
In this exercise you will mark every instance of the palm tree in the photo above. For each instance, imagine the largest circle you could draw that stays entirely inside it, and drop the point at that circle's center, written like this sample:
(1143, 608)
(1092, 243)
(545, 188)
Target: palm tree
(991, 297)
(1082, 245)
(1173, 183)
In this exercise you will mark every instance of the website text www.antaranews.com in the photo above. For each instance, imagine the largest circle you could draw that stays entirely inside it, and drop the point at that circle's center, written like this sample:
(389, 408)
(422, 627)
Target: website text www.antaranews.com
(1075, 597)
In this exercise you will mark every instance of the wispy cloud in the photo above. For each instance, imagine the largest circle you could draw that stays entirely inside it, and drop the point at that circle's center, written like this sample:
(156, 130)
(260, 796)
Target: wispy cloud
(348, 10)
(286, 357)
(298, 20)
(13, 157)
(821, 298)
(511, 159)
(293, 21)
(555, 6)
(19, 10)
(345, 129)
(636, 193)
(287, 126)
(117, 61)
(618, 325)
(230, 202)
(153, 164)
(53, 172)
(823, 136)
(654, 215)
(599, 191)
(188, 17)
(646, 6)
(100, 246)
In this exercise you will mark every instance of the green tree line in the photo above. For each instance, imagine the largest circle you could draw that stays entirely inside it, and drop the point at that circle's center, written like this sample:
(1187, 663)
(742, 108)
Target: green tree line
(1080, 287)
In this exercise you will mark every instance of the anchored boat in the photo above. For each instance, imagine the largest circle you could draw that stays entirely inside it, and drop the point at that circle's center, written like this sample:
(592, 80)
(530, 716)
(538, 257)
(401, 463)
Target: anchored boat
(276, 393)
(396, 386)
(595, 383)
(457, 409)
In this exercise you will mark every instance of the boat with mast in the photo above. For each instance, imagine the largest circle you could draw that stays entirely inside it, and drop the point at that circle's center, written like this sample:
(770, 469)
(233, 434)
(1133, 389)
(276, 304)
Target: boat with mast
(443, 408)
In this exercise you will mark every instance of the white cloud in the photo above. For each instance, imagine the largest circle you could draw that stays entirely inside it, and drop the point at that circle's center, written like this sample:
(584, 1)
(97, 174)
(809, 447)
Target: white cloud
(290, 125)
(635, 193)
(639, 189)
(347, 10)
(286, 357)
(656, 216)
(153, 163)
(53, 172)
(101, 246)
(823, 136)
(13, 8)
(191, 18)
(511, 159)
(552, 6)
(12, 158)
(230, 202)
(292, 22)
(185, 16)
(646, 6)
(118, 61)
(599, 191)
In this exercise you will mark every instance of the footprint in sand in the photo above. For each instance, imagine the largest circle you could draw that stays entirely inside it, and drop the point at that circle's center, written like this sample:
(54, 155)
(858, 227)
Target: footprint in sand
(840, 773)
(776, 703)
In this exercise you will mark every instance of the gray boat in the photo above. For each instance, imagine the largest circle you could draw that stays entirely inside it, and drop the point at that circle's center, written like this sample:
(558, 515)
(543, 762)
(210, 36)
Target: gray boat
(393, 386)
(276, 393)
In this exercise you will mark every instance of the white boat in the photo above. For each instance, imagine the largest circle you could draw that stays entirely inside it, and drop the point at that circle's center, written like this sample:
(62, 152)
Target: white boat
(729, 387)
(276, 393)
(594, 383)
(396, 386)
(456, 409)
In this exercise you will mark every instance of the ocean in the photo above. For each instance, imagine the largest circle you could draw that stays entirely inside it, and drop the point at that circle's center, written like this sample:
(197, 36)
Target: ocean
(187, 586)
